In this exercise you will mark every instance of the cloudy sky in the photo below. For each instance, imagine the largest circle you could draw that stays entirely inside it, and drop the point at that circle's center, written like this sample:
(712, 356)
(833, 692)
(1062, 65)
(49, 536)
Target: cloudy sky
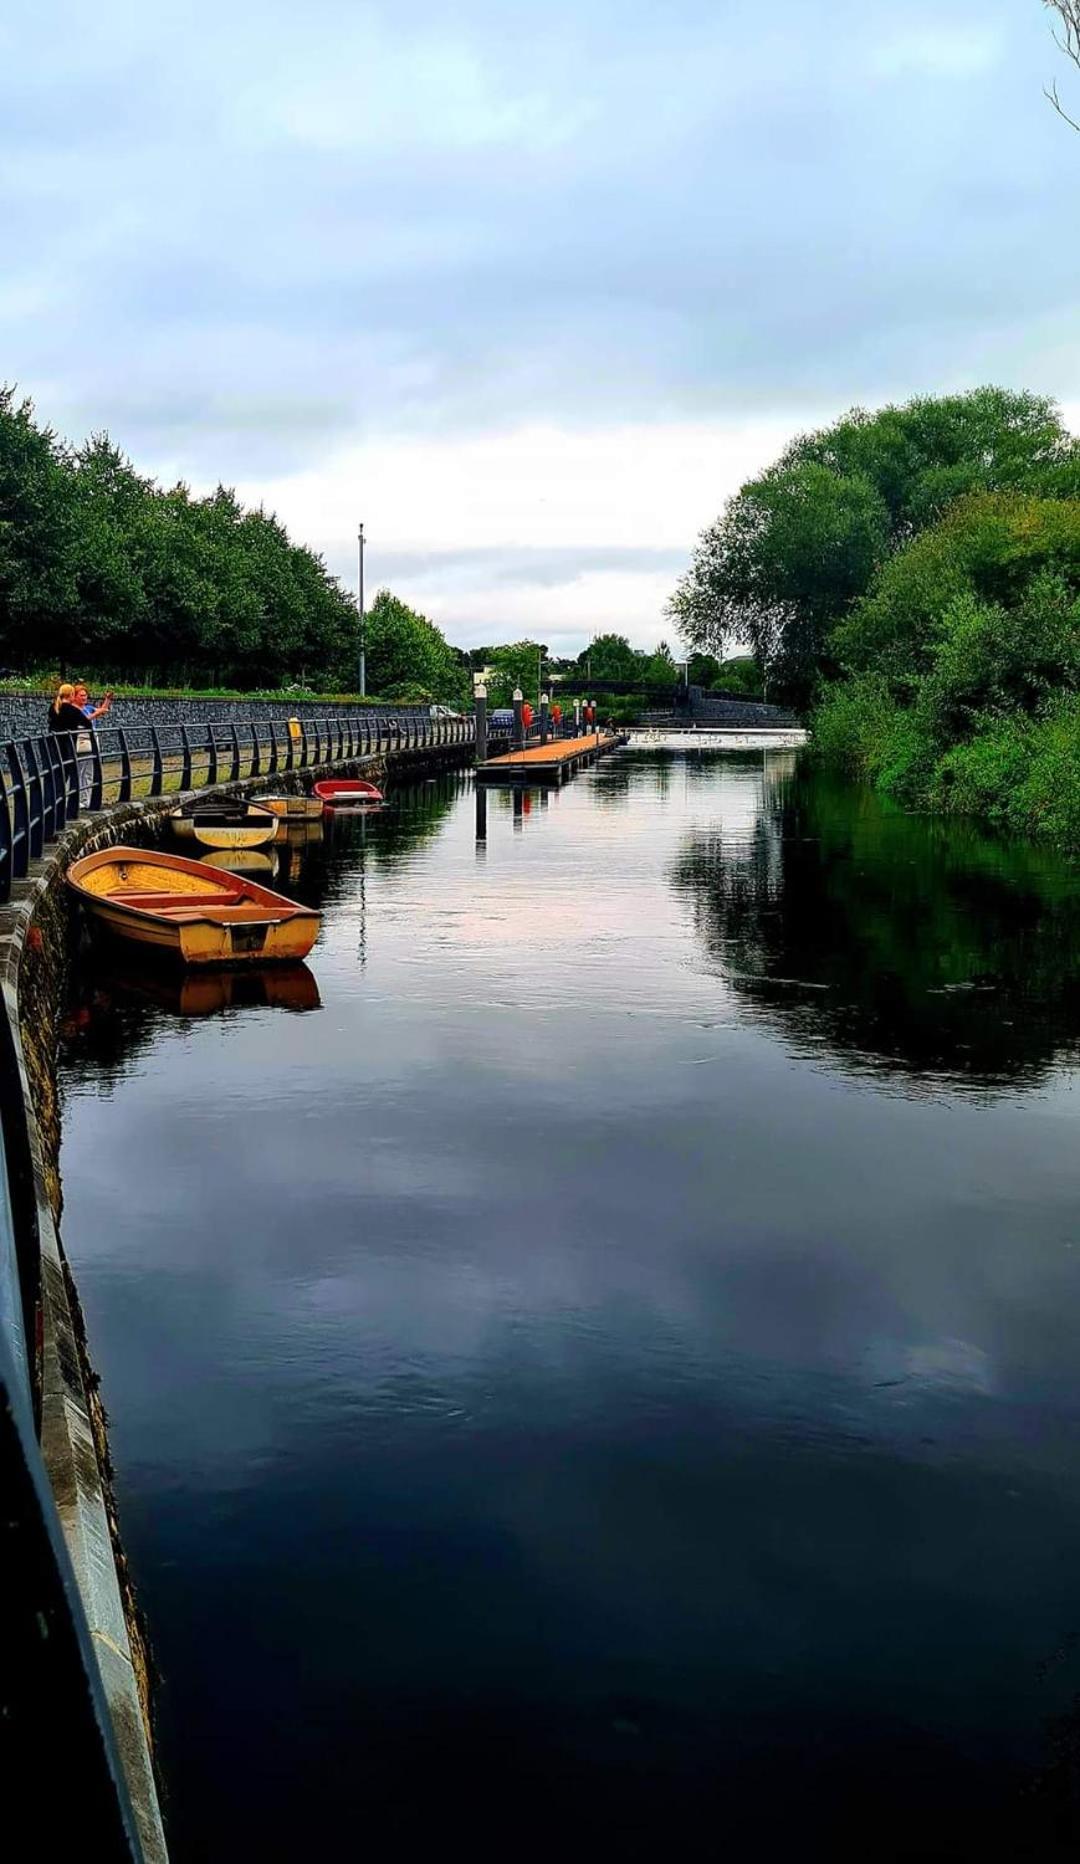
(529, 288)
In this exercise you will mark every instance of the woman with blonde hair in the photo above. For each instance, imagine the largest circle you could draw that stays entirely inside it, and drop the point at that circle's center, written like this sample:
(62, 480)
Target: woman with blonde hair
(66, 715)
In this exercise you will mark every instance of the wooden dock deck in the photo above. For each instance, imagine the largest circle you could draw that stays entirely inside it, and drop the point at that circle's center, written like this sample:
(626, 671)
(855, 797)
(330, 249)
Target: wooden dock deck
(548, 763)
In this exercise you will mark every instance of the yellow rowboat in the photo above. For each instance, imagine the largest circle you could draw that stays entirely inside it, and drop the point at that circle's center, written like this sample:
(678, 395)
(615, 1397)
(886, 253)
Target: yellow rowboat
(293, 808)
(190, 911)
(219, 824)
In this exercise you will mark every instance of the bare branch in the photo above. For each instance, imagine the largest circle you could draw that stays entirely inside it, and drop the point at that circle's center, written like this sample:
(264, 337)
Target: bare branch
(1065, 33)
(1051, 92)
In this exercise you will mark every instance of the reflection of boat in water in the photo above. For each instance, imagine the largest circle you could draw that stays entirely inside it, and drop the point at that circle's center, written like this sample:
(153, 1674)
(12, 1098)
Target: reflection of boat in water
(188, 910)
(224, 824)
(348, 793)
(242, 861)
(297, 832)
(292, 809)
(205, 993)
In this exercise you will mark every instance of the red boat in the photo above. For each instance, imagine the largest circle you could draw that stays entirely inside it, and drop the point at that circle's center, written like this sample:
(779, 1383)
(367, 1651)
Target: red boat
(347, 793)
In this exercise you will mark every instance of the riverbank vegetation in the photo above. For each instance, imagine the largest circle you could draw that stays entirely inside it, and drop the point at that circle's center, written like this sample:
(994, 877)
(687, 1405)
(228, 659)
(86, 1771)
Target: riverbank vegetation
(912, 579)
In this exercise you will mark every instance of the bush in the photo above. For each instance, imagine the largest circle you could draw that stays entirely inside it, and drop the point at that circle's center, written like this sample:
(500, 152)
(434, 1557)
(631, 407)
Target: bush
(1047, 801)
(858, 725)
(985, 775)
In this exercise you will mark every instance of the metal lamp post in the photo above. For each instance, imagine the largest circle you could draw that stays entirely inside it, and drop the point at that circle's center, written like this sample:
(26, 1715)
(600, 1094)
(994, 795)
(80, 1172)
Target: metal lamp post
(360, 610)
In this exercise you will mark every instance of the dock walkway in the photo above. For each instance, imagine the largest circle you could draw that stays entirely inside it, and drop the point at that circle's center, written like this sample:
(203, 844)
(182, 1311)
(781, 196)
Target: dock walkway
(548, 763)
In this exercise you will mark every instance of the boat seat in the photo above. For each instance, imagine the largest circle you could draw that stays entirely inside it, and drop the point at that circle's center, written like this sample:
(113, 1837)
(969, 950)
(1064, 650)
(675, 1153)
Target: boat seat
(267, 915)
(159, 901)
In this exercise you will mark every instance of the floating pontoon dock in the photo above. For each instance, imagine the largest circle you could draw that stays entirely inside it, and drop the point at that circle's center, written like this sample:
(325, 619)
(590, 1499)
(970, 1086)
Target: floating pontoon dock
(548, 763)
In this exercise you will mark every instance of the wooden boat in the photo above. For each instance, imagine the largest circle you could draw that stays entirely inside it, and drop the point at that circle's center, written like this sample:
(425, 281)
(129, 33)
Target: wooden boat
(293, 808)
(348, 793)
(221, 823)
(189, 910)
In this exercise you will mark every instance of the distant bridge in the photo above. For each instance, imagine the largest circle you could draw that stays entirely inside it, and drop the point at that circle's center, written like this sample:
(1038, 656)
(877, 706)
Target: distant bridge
(704, 720)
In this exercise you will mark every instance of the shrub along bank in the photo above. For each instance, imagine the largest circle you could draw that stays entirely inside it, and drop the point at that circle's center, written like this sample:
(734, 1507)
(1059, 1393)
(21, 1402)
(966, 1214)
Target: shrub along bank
(960, 689)
(912, 577)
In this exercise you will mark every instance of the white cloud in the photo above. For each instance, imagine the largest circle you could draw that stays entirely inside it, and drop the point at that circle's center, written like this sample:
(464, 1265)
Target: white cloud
(635, 488)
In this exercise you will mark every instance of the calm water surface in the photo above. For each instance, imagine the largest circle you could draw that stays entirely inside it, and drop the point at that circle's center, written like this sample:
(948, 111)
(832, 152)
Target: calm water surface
(596, 1363)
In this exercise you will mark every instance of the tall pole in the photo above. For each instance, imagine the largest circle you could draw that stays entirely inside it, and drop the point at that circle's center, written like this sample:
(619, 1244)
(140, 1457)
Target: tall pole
(360, 610)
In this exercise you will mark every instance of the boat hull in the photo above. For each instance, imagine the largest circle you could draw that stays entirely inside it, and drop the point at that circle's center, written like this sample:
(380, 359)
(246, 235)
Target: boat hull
(348, 793)
(189, 911)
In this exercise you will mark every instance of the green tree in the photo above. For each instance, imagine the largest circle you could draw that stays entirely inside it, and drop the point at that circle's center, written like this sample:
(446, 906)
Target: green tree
(610, 657)
(516, 664)
(407, 654)
(39, 539)
(799, 544)
(659, 669)
(101, 570)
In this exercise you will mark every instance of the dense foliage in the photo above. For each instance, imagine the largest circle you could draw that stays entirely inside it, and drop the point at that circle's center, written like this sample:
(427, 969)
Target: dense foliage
(961, 682)
(408, 657)
(915, 574)
(103, 571)
(799, 544)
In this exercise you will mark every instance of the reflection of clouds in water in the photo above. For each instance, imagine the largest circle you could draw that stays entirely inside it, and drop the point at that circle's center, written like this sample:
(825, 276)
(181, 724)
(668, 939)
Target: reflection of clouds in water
(935, 1365)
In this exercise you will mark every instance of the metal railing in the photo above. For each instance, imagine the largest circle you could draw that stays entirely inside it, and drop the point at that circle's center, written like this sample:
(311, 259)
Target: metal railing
(46, 781)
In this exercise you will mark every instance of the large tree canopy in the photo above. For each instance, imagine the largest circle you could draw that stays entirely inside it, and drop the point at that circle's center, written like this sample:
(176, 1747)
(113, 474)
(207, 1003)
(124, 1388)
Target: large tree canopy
(799, 544)
(407, 656)
(102, 570)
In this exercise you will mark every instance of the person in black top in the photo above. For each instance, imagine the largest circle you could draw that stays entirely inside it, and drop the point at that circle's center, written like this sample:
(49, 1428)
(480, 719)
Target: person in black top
(67, 716)
(64, 714)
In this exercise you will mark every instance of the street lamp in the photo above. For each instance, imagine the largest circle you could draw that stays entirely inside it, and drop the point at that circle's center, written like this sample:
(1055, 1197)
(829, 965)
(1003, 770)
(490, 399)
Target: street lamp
(360, 610)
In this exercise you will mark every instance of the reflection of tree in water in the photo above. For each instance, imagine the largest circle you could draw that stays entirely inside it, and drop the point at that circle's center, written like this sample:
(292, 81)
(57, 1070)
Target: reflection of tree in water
(900, 942)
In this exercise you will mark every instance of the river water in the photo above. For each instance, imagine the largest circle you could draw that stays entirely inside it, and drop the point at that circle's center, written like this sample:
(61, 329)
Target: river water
(594, 1362)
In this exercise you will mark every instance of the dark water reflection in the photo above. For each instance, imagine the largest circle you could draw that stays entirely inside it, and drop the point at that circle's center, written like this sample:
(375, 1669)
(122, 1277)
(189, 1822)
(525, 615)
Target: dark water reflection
(900, 944)
(596, 1365)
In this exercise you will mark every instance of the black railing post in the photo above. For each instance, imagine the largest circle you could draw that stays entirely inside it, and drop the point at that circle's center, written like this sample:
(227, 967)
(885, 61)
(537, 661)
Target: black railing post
(5, 842)
(273, 764)
(234, 776)
(55, 752)
(35, 825)
(185, 759)
(125, 766)
(54, 784)
(157, 766)
(20, 814)
(97, 775)
(69, 764)
(256, 755)
(212, 761)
